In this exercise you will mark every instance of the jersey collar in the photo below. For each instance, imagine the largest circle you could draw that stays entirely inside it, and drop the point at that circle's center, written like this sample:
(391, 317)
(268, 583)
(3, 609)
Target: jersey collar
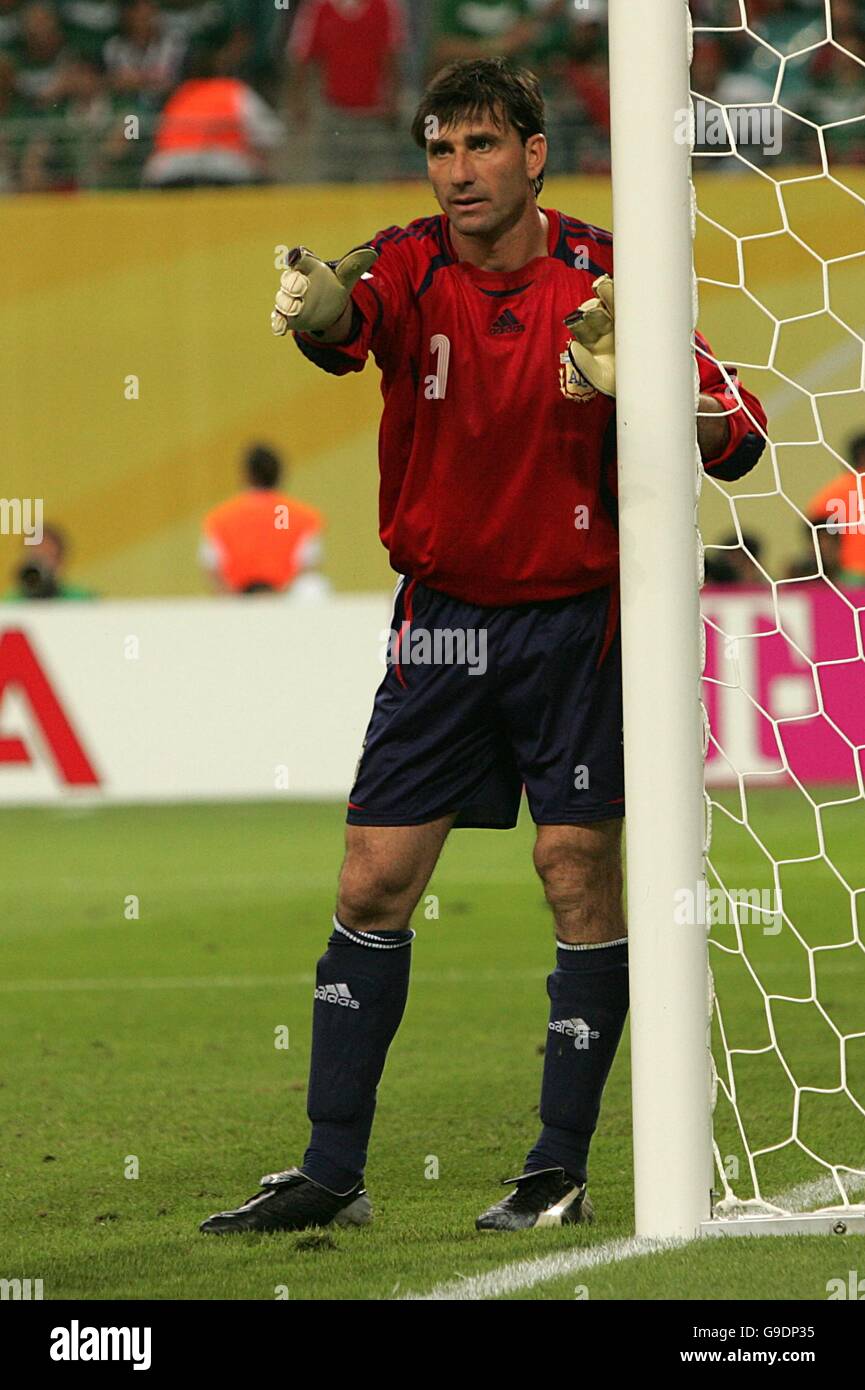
(511, 279)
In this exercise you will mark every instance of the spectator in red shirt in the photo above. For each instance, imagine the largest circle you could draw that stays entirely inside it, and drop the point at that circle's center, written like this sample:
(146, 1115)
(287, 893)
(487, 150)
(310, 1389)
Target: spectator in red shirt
(356, 46)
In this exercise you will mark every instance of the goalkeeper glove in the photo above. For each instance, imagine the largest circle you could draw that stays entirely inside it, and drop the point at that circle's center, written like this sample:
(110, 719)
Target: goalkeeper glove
(592, 347)
(313, 293)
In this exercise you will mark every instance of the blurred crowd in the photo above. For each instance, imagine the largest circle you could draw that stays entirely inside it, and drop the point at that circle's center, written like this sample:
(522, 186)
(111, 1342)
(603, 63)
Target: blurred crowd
(108, 93)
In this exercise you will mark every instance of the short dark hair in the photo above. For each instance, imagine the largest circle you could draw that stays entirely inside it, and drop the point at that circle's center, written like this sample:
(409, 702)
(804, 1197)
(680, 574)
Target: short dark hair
(494, 87)
(856, 446)
(263, 468)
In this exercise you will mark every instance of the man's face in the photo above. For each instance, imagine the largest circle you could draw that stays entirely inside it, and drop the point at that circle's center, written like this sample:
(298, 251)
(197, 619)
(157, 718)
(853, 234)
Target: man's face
(481, 174)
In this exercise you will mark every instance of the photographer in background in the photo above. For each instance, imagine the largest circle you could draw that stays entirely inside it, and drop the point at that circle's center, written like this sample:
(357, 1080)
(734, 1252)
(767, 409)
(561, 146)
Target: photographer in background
(40, 573)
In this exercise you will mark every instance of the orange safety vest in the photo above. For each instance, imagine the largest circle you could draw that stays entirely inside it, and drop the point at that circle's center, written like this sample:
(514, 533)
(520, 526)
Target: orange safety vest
(204, 114)
(260, 537)
(838, 502)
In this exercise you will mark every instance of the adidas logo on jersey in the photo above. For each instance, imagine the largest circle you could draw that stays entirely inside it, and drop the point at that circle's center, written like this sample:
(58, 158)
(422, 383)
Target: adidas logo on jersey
(336, 994)
(508, 323)
(574, 1028)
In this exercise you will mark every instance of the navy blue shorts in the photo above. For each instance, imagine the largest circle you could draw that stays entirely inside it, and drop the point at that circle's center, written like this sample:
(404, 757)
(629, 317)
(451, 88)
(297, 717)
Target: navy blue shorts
(479, 702)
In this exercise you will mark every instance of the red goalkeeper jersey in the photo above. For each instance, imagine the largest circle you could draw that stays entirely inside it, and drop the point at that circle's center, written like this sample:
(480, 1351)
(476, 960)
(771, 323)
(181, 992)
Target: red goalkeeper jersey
(497, 458)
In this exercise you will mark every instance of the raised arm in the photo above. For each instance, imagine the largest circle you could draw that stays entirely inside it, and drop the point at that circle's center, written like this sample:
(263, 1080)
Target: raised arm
(342, 311)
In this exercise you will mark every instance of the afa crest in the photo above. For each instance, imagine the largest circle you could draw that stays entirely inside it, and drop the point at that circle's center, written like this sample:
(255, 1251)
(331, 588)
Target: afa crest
(572, 383)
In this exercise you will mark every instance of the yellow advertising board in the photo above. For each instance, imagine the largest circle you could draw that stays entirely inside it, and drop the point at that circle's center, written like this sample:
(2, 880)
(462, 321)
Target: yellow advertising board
(138, 363)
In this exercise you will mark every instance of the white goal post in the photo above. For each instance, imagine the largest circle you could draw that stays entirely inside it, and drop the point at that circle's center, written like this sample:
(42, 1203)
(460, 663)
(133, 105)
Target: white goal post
(657, 441)
(674, 1080)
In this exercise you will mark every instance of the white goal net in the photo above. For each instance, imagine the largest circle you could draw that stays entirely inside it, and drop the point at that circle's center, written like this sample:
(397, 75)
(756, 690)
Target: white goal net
(778, 133)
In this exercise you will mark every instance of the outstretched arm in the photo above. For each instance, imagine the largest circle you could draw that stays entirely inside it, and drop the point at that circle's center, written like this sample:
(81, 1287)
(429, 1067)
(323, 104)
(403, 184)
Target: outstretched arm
(315, 296)
(341, 311)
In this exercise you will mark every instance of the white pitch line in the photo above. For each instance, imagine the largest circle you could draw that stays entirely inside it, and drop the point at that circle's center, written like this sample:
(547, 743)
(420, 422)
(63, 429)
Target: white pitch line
(527, 1274)
(819, 1192)
(156, 982)
(419, 977)
(816, 1194)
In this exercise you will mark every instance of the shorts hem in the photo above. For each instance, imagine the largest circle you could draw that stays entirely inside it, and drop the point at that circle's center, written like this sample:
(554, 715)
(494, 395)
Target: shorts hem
(474, 823)
(582, 817)
(360, 818)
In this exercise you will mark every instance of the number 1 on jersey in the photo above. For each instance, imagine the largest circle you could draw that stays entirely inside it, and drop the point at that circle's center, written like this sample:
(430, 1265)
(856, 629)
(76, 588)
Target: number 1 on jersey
(435, 386)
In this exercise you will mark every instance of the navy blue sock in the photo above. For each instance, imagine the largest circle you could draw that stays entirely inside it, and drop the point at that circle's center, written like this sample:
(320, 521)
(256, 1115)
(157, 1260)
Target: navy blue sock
(588, 1006)
(360, 997)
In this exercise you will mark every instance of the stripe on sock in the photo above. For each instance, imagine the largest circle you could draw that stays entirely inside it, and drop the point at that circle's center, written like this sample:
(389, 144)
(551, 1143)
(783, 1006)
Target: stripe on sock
(591, 945)
(375, 940)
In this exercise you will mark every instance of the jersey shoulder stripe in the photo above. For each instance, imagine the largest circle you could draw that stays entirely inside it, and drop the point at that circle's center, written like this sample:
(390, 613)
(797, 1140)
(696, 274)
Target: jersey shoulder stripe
(430, 252)
(565, 252)
(574, 227)
(420, 228)
(427, 235)
(382, 238)
(424, 225)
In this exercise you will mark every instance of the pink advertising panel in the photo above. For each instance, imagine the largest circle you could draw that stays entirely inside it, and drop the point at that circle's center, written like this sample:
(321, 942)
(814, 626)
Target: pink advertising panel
(784, 682)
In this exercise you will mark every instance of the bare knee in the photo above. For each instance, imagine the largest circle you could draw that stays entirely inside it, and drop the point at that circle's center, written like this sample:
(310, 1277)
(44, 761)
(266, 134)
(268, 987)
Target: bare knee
(372, 892)
(574, 862)
(581, 870)
(385, 870)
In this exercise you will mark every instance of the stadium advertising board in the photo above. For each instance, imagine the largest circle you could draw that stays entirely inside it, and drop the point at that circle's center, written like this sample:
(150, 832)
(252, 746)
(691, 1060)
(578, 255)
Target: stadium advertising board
(192, 699)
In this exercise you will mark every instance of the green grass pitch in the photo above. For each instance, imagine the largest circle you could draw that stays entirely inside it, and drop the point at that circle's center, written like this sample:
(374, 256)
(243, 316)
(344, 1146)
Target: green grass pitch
(147, 1044)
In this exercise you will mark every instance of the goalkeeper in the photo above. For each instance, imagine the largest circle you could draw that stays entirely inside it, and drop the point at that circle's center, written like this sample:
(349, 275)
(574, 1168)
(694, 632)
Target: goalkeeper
(493, 327)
